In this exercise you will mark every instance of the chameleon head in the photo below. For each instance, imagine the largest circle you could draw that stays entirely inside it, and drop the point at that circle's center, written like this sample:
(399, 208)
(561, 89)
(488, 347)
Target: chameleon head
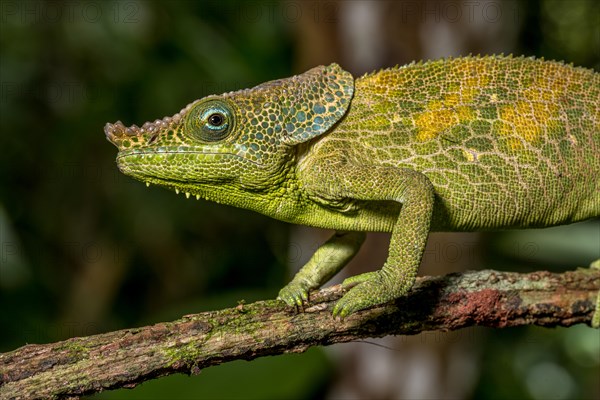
(239, 140)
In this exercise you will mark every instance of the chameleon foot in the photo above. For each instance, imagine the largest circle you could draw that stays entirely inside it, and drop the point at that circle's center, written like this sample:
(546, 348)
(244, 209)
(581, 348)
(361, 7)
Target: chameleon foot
(370, 290)
(294, 294)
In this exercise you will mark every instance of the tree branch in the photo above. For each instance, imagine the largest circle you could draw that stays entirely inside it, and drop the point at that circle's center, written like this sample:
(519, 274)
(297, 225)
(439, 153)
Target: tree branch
(128, 357)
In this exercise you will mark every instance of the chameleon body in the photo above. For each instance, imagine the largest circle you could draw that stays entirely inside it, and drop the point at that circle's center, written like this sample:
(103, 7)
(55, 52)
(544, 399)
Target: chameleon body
(474, 143)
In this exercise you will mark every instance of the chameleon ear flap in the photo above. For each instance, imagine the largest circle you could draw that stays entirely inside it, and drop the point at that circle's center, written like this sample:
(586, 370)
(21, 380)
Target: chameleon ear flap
(312, 102)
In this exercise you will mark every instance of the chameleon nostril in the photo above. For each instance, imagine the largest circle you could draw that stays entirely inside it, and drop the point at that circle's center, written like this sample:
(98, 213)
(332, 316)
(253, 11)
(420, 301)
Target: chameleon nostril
(153, 138)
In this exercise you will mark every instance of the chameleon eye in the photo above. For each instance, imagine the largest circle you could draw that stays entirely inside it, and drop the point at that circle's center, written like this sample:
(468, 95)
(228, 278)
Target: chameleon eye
(210, 121)
(216, 119)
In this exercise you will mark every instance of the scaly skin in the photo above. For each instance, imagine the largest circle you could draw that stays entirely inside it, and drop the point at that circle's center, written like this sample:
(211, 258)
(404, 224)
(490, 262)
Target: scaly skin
(477, 143)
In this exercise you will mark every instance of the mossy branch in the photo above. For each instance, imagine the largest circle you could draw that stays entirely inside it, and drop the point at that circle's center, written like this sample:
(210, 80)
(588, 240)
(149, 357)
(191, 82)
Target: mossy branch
(125, 358)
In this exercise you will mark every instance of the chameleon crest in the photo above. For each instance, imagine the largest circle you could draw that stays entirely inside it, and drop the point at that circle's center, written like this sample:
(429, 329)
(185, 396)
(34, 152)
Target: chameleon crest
(474, 143)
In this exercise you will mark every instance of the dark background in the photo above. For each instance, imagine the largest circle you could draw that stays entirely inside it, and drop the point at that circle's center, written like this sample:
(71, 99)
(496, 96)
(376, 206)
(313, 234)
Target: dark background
(86, 250)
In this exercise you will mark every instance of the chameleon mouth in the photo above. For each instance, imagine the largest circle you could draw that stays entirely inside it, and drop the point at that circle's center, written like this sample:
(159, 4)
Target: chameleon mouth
(170, 169)
(212, 156)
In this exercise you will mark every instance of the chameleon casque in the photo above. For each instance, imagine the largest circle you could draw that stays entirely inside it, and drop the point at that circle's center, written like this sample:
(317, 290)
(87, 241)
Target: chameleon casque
(464, 144)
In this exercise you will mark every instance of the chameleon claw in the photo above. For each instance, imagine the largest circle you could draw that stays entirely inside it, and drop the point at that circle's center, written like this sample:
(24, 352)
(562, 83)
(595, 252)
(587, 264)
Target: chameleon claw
(294, 296)
(370, 289)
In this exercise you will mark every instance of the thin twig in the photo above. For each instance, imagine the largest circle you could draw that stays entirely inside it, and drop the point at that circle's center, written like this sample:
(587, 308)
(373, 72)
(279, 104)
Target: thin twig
(125, 358)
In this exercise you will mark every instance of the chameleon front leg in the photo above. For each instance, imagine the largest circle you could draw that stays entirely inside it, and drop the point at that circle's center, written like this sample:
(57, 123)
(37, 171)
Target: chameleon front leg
(327, 261)
(415, 195)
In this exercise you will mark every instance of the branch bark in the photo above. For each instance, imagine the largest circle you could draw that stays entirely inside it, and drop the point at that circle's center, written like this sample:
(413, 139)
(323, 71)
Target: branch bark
(125, 358)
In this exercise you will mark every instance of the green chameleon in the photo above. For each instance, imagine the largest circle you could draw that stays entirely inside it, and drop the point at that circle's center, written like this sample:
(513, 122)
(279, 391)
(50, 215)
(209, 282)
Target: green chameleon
(464, 144)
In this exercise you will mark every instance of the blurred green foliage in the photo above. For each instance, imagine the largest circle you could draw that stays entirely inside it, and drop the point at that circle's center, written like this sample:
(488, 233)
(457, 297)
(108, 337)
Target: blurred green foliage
(85, 249)
(67, 206)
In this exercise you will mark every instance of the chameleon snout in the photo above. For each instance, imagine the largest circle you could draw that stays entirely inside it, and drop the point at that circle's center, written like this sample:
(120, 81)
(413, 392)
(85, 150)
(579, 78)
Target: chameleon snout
(119, 134)
(114, 131)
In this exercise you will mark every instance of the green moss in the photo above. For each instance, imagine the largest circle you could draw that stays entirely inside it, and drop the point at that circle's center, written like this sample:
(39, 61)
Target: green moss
(239, 321)
(75, 350)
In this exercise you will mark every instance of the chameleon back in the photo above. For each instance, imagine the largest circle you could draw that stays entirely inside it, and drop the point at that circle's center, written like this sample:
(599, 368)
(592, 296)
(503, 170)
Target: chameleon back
(505, 141)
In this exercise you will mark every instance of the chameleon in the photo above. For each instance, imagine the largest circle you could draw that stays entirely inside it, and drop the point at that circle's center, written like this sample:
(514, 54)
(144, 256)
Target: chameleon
(459, 144)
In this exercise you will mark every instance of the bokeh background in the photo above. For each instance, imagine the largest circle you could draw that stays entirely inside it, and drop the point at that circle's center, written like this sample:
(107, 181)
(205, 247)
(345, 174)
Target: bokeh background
(86, 250)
